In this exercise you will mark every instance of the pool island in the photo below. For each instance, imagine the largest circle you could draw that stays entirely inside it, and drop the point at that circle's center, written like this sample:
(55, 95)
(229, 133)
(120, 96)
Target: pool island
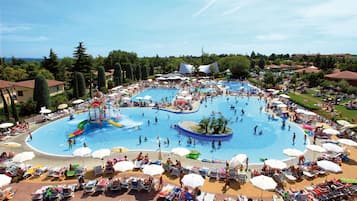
(191, 129)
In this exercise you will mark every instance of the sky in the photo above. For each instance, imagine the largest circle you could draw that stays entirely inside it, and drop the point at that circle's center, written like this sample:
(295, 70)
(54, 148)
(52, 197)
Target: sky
(28, 29)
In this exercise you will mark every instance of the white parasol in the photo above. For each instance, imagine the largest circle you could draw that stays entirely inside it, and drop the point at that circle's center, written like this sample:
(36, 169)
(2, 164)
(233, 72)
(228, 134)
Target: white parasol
(237, 160)
(124, 166)
(6, 125)
(62, 106)
(331, 131)
(101, 153)
(4, 180)
(316, 148)
(333, 147)
(193, 180)
(23, 156)
(153, 169)
(82, 152)
(78, 101)
(293, 152)
(347, 142)
(275, 164)
(329, 166)
(263, 182)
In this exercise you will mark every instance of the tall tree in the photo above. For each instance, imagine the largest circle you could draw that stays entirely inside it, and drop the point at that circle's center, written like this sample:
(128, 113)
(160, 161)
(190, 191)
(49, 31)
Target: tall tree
(151, 71)
(82, 62)
(51, 64)
(41, 93)
(6, 109)
(261, 63)
(15, 115)
(81, 85)
(137, 72)
(144, 72)
(238, 65)
(117, 74)
(101, 79)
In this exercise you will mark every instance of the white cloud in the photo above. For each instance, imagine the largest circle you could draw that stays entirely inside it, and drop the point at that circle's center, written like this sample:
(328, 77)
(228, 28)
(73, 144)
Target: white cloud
(332, 8)
(13, 28)
(231, 11)
(272, 37)
(204, 8)
(21, 38)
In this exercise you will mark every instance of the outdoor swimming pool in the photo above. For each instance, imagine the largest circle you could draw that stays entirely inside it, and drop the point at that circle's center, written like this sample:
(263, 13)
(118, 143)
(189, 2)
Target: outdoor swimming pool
(52, 138)
(157, 94)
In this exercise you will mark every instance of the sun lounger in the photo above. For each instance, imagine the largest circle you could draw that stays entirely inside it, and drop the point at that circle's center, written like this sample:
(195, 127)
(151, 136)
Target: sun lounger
(68, 191)
(90, 187)
(31, 171)
(40, 171)
(308, 175)
(135, 184)
(138, 164)
(97, 170)
(222, 174)
(114, 185)
(233, 174)
(289, 177)
(213, 173)
(203, 171)
(242, 178)
(80, 171)
(175, 172)
(101, 186)
(124, 183)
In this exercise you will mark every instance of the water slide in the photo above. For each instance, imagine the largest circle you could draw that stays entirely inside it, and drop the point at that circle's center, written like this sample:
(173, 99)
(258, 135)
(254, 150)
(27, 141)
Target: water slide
(80, 129)
(117, 124)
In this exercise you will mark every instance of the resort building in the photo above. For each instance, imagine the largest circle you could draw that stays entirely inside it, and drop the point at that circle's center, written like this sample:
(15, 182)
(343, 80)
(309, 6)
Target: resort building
(24, 89)
(311, 69)
(3, 86)
(349, 76)
(204, 69)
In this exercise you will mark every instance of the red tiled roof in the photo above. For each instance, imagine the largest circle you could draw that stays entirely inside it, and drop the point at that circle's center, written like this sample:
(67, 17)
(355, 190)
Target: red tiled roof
(311, 69)
(347, 75)
(31, 83)
(5, 84)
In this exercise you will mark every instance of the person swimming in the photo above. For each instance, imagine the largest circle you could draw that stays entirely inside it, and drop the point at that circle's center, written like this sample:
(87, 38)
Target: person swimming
(261, 132)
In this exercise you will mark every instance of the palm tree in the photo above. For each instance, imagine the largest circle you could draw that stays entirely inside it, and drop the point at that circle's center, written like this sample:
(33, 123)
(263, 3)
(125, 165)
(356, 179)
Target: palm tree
(225, 122)
(204, 124)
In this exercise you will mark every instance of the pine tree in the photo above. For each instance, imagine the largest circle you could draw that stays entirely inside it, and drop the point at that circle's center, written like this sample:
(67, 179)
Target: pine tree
(41, 93)
(144, 73)
(51, 64)
(101, 79)
(81, 85)
(117, 74)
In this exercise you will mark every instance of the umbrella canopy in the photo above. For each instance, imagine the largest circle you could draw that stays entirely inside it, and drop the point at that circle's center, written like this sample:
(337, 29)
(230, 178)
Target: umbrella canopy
(12, 144)
(275, 164)
(264, 182)
(331, 131)
(284, 96)
(282, 105)
(237, 160)
(293, 152)
(347, 142)
(329, 166)
(101, 153)
(124, 166)
(316, 148)
(180, 151)
(193, 180)
(120, 149)
(343, 122)
(45, 111)
(62, 106)
(78, 101)
(6, 125)
(333, 147)
(81, 152)
(153, 169)
(23, 156)
(139, 98)
(4, 180)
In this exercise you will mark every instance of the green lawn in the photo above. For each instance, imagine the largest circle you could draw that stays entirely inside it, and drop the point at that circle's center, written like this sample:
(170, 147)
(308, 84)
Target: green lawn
(310, 102)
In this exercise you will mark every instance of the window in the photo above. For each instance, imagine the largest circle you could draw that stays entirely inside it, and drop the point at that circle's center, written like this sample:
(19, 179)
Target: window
(20, 93)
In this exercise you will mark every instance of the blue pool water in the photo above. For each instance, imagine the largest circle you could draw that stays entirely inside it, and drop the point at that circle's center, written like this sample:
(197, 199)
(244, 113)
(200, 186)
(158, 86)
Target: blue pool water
(52, 138)
(158, 94)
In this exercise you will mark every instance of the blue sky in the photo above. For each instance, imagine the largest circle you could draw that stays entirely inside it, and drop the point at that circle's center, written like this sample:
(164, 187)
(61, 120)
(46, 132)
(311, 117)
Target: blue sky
(177, 27)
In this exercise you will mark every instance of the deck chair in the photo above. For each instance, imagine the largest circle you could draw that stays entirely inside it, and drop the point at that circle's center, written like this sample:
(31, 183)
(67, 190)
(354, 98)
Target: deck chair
(138, 164)
(71, 172)
(242, 178)
(40, 171)
(175, 172)
(289, 177)
(80, 171)
(101, 186)
(233, 174)
(31, 171)
(90, 187)
(135, 185)
(222, 174)
(203, 171)
(97, 170)
(308, 175)
(114, 185)
(213, 173)
(68, 191)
